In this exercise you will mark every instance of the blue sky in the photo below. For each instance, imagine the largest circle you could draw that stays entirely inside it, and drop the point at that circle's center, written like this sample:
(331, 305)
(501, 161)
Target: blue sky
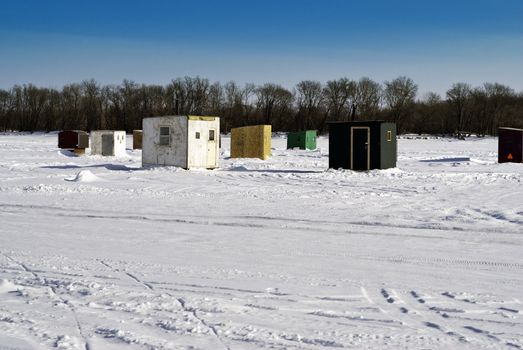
(436, 43)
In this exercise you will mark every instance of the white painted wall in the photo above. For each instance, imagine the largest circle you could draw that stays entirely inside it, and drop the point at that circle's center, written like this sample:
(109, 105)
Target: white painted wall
(203, 153)
(119, 142)
(176, 153)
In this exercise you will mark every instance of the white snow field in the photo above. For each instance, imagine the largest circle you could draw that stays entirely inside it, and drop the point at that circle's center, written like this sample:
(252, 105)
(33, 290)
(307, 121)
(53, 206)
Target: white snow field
(99, 253)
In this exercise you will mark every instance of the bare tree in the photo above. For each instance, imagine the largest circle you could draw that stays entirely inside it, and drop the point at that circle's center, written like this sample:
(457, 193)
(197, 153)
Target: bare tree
(248, 96)
(399, 95)
(70, 106)
(233, 109)
(272, 101)
(429, 116)
(5, 122)
(91, 106)
(458, 97)
(309, 101)
(367, 98)
(339, 97)
(215, 99)
(51, 112)
(499, 97)
(196, 93)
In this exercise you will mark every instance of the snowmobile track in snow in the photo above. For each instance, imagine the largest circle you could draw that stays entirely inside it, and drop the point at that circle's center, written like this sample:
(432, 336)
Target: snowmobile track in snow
(66, 302)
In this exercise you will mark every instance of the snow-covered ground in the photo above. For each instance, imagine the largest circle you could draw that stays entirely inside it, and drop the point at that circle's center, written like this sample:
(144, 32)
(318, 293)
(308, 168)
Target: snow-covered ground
(98, 253)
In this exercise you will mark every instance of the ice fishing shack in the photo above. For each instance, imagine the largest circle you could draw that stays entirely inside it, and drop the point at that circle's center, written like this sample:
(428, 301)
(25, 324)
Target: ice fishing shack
(362, 145)
(302, 139)
(251, 142)
(510, 145)
(185, 141)
(75, 140)
(108, 143)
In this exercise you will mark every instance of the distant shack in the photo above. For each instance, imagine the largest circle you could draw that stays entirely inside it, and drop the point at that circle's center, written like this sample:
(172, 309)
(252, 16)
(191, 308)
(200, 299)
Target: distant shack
(108, 143)
(74, 140)
(510, 145)
(302, 139)
(251, 142)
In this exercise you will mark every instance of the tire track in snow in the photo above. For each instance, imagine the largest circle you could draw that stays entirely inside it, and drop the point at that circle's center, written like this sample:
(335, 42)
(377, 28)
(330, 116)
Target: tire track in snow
(145, 284)
(445, 261)
(197, 220)
(128, 274)
(407, 313)
(87, 345)
(444, 313)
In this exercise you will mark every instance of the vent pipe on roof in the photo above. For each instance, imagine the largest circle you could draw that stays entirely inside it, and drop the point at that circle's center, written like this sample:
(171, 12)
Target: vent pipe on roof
(176, 104)
(353, 112)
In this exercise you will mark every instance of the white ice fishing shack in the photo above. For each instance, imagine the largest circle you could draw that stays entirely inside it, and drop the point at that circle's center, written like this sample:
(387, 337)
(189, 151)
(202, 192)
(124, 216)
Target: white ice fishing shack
(108, 143)
(186, 141)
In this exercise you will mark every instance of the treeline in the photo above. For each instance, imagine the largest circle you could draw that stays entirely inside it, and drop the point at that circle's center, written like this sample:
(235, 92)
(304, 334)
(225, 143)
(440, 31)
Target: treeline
(90, 106)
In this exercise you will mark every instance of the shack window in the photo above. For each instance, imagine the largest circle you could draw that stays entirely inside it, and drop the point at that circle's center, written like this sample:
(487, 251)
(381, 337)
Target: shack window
(165, 138)
(197, 135)
(389, 135)
(211, 135)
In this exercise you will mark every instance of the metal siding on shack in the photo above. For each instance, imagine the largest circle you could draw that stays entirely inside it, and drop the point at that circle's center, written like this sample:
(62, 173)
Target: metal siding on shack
(302, 139)
(310, 142)
(510, 145)
(388, 146)
(251, 142)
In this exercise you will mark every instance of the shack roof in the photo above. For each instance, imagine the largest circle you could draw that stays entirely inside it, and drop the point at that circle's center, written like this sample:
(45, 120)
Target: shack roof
(190, 117)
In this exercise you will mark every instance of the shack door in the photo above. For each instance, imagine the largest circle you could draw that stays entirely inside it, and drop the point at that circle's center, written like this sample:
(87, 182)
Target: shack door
(360, 148)
(211, 149)
(107, 145)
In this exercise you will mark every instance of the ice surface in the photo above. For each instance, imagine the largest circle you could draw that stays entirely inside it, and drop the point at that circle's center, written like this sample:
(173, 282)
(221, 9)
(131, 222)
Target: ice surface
(278, 254)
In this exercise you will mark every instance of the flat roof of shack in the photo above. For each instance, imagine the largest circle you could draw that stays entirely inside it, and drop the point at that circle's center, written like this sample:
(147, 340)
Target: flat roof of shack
(190, 117)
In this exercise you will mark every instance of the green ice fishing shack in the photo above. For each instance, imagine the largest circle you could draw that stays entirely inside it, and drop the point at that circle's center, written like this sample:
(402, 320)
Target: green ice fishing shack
(302, 139)
(362, 145)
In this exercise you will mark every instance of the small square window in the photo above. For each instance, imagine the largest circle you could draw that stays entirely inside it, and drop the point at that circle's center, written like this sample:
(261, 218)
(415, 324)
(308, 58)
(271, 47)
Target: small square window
(165, 138)
(197, 135)
(389, 135)
(211, 135)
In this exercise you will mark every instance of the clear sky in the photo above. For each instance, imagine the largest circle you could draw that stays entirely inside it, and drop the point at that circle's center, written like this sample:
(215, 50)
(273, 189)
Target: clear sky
(436, 43)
